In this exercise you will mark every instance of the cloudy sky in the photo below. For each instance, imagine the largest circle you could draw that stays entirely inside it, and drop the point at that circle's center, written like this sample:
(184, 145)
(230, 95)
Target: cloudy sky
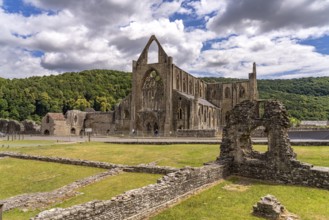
(286, 38)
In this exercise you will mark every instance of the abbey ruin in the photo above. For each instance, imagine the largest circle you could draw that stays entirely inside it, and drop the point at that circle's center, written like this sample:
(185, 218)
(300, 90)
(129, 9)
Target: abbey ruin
(237, 157)
(164, 100)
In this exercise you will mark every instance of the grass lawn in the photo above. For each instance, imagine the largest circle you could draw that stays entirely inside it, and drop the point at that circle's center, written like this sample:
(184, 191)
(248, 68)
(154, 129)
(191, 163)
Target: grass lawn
(26, 176)
(23, 176)
(316, 155)
(165, 155)
(219, 203)
(177, 155)
(102, 190)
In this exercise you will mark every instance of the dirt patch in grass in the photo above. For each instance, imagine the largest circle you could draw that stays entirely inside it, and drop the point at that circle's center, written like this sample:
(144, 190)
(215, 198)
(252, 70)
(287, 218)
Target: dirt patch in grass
(241, 186)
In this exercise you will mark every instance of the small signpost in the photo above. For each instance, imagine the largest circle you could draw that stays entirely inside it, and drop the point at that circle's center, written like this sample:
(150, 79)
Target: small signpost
(88, 131)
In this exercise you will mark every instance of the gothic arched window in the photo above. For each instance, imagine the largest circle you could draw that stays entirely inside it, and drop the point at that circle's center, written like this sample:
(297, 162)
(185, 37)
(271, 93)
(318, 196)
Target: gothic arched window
(227, 93)
(242, 92)
(153, 91)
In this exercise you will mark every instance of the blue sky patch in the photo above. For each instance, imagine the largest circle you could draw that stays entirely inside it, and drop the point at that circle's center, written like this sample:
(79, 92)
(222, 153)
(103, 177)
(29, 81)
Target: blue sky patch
(321, 44)
(207, 45)
(19, 7)
(35, 53)
(22, 36)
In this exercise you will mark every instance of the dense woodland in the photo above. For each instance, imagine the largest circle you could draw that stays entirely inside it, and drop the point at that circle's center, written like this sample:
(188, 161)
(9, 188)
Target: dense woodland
(32, 98)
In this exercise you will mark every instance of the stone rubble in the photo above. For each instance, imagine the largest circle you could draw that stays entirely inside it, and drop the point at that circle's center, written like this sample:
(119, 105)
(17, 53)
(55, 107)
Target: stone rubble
(270, 208)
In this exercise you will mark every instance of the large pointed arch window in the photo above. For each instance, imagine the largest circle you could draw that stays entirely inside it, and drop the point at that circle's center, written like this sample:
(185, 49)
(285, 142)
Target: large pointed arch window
(153, 53)
(153, 92)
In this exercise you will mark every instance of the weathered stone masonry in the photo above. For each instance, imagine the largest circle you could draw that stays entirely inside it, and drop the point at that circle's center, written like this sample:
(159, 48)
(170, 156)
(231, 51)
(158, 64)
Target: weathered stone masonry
(43, 199)
(139, 203)
(279, 163)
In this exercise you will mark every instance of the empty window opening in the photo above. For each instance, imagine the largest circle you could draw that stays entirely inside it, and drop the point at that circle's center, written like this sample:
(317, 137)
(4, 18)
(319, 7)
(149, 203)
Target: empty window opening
(261, 109)
(242, 92)
(180, 114)
(227, 93)
(153, 53)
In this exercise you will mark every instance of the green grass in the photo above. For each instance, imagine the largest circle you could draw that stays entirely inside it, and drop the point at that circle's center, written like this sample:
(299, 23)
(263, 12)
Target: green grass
(26, 176)
(218, 203)
(165, 155)
(316, 155)
(177, 155)
(102, 190)
(215, 203)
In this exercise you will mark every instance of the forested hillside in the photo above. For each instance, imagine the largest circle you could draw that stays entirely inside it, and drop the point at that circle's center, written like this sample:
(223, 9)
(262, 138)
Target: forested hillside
(305, 98)
(32, 98)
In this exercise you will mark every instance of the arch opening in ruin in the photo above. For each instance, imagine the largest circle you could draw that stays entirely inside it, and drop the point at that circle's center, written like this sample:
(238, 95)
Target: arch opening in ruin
(73, 131)
(153, 53)
(246, 117)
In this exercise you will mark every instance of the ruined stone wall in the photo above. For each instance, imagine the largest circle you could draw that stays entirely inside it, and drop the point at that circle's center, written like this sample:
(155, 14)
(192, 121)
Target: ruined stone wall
(75, 121)
(30, 127)
(186, 83)
(279, 163)
(214, 93)
(181, 112)
(140, 203)
(152, 110)
(295, 173)
(10, 126)
(122, 114)
(101, 123)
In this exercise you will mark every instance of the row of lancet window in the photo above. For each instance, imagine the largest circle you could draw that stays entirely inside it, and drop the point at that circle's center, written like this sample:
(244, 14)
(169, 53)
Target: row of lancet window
(187, 87)
(228, 95)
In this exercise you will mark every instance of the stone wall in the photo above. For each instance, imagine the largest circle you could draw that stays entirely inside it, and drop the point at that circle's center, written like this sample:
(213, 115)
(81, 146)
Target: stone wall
(30, 127)
(16, 127)
(143, 168)
(196, 133)
(10, 126)
(102, 123)
(44, 199)
(140, 203)
(279, 163)
(294, 172)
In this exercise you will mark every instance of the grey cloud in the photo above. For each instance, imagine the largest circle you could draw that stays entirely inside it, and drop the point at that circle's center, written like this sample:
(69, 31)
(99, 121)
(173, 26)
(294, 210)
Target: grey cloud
(269, 15)
(127, 46)
(98, 14)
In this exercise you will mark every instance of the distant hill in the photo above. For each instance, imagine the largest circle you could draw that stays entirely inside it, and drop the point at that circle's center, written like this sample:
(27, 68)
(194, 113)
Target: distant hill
(32, 98)
(304, 98)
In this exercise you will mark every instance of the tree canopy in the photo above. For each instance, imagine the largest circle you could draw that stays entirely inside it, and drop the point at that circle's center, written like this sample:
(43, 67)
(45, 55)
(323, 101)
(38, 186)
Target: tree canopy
(33, 97)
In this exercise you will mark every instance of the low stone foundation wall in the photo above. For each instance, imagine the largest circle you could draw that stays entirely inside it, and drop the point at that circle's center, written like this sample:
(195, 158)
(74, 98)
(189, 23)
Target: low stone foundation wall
(138, 168)
(196, 133)
(43, 199)
(139, 203)
(296, 173)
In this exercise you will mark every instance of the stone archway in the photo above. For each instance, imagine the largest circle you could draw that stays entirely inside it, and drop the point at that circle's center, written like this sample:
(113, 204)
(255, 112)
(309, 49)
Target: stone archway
(73, 131)
(246, 117)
